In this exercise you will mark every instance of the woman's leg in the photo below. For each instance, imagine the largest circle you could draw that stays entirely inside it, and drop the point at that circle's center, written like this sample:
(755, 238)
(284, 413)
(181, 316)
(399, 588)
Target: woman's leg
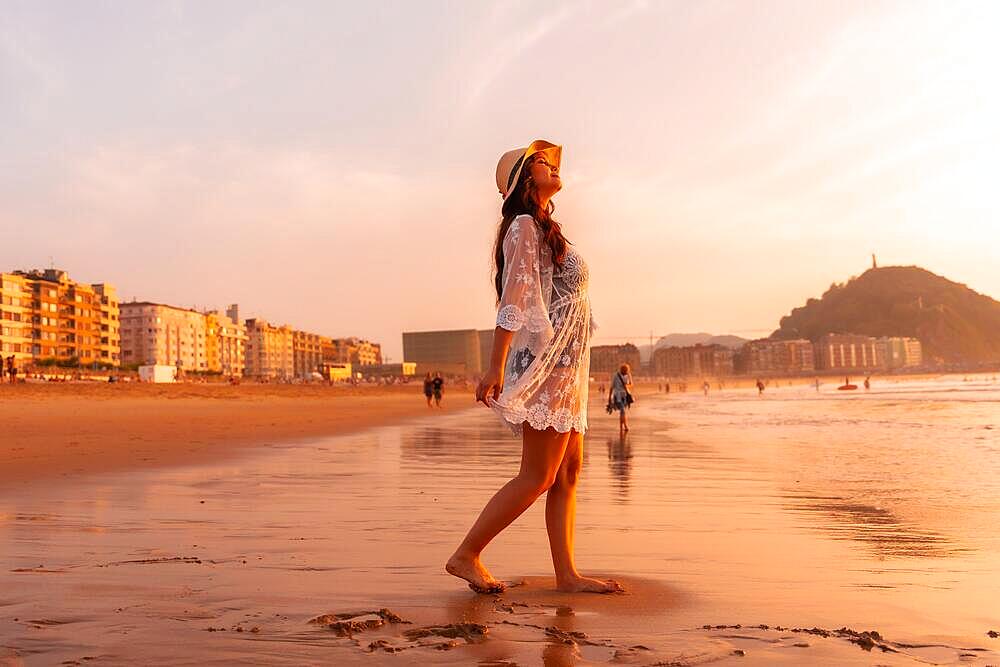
(541, 456)
(560, 521)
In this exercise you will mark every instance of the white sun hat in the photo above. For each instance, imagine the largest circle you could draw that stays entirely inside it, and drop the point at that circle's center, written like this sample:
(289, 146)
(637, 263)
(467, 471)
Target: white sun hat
(511, 162)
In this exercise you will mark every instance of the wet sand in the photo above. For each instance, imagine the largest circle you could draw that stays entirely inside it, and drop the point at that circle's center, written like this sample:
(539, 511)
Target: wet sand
(64, 430)
(797, 528)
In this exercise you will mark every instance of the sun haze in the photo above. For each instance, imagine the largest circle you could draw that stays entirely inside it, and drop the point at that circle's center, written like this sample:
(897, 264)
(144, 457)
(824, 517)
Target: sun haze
(330, 165)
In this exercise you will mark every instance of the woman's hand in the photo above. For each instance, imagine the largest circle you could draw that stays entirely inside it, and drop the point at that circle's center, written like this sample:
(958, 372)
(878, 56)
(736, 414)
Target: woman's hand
(489, 386)
(492, 383)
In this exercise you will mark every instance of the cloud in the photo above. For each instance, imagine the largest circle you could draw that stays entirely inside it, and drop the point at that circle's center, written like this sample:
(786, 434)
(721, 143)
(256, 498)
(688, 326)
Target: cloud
(507, 48)
(28, 79)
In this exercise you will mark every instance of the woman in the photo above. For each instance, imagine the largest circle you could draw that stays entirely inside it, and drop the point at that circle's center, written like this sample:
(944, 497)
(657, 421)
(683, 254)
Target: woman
(539, 368)
(428, 388)
(620, 395)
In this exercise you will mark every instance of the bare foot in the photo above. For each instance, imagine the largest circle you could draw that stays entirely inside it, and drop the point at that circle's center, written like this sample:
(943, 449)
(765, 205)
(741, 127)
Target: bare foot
(590, 585)
(473, 571)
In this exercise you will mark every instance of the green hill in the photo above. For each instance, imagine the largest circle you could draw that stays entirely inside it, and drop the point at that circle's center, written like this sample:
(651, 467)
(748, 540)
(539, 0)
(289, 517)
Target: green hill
(954, 323)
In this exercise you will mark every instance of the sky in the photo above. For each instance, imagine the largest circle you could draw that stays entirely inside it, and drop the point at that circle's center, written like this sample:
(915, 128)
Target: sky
(330, 165)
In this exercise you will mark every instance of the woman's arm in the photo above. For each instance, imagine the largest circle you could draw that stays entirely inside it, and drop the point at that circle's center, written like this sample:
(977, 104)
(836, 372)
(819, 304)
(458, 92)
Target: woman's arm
(520, 305)
(501, 346)
(492, 382)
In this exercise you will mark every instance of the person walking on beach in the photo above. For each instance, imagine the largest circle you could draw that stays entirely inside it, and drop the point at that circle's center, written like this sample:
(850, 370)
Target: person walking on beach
(705, 387)
(760, 387)
(539, 369)
(620, 396)
(437, 385)
(428, 388)
(11, 371)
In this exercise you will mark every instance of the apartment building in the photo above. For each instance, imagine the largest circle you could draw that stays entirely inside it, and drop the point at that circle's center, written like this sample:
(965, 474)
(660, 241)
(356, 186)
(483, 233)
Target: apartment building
(364, 352)
(71, 322)
(609, 358)
(693, 361)
(109, 322)
(226, 342)
(15, 319)
(849, 352)
(307, 352)
(155, 333)
(270, 350)
(902, 352)
(776, 357)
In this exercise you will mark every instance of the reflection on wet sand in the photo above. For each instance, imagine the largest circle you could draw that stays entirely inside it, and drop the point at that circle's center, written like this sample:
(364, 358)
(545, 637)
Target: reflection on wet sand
(742, 528)
(886, 534)
(620, 464)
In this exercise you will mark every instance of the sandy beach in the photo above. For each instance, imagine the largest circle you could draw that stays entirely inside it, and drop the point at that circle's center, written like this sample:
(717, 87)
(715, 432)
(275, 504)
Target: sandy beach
(800, 528)
(64, 430)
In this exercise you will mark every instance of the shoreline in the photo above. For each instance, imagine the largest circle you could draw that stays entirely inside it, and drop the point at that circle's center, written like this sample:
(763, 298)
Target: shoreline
(62, 430)
(56, 430)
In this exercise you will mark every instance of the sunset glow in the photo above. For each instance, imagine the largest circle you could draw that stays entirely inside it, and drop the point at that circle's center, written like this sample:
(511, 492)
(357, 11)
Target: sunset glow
(731, 159)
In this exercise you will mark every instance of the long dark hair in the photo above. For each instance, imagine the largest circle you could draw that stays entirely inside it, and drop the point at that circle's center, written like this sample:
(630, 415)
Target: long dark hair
(524, 201)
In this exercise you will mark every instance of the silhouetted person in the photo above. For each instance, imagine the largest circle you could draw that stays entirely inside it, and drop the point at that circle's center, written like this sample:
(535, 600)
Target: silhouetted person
(760, 387)
(438, 388)
(868, 384)
(428, 388)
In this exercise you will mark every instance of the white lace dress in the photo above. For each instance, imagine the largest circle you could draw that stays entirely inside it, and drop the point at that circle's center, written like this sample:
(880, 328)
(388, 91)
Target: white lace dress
(547, 307)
